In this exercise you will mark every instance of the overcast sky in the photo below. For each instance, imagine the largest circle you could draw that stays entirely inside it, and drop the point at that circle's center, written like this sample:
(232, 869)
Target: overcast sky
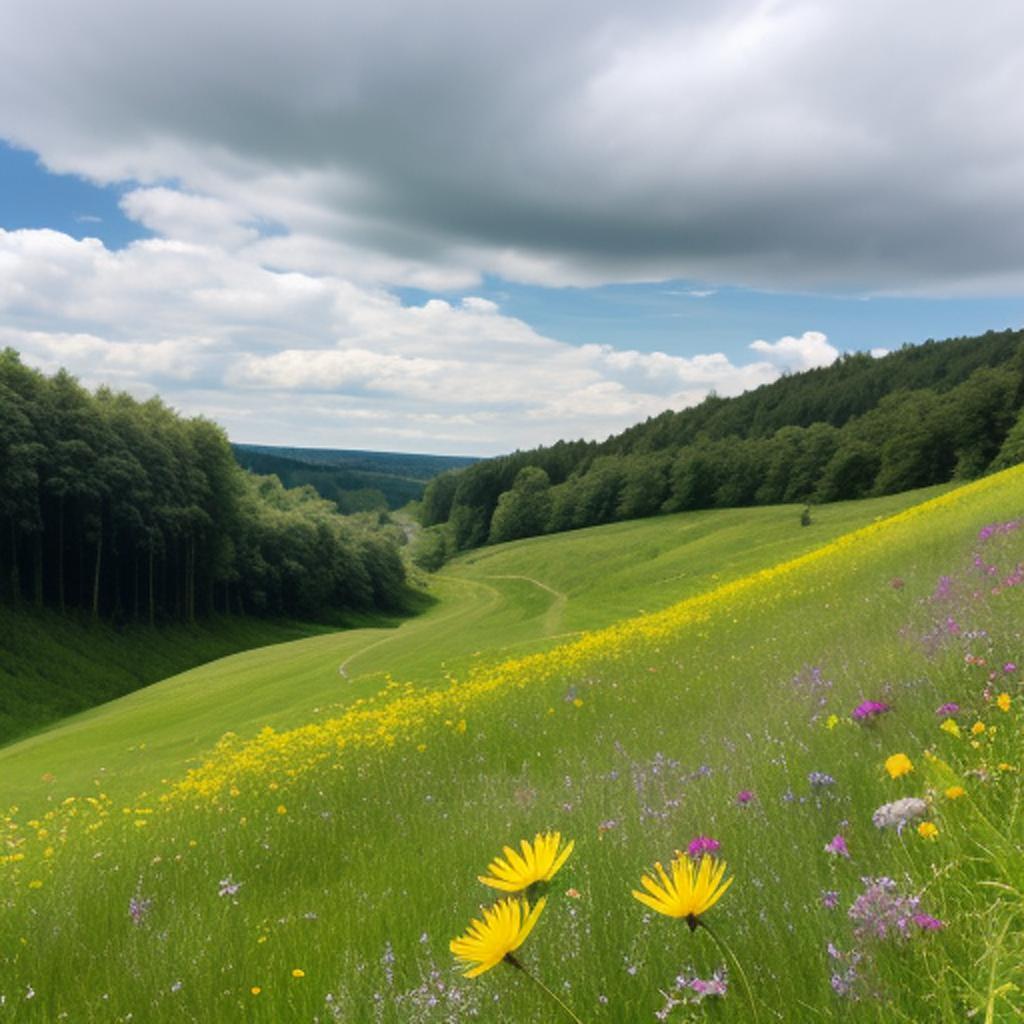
(468, 227)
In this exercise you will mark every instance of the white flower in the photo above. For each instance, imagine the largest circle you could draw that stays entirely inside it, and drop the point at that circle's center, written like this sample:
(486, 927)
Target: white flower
(899, 813)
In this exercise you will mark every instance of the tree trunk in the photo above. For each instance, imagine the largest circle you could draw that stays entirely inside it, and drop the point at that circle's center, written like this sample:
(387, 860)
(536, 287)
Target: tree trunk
(15, 578)
(152, 589)
(39, 569)
(96, 575)
(60, 553)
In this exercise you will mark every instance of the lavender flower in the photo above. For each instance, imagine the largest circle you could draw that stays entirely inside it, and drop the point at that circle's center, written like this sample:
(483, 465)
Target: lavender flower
(138, 908)
(744, 796)
(928, 923)
(830, 899)
(820, 780)
(948, 709)
(880, 911)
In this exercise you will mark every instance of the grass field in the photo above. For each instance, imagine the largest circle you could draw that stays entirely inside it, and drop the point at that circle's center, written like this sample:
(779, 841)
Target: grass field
(624, 686)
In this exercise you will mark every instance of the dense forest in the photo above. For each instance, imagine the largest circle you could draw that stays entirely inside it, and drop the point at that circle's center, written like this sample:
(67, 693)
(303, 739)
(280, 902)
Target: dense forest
(863, 426)
(355, 481)
(126, 511)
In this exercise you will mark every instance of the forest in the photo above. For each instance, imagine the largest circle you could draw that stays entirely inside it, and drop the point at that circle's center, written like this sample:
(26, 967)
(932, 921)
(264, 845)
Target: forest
(863, 426)
(123, 510)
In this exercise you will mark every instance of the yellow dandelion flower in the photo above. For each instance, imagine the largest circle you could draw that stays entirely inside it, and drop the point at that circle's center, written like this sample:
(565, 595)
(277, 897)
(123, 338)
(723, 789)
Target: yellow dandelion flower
(281, 809)
(502, 931)
(691, 890)
(1003, 702)
(255, 990)
(897, 765)
(978, 728)
(298, 972)
(927, 830)
(539, 862)
(950, 726)
(577, 702)
(955, 792)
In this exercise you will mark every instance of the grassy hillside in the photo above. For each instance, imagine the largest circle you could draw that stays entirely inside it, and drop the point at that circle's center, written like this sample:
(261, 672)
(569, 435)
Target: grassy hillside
(318, 872)
(52, 666)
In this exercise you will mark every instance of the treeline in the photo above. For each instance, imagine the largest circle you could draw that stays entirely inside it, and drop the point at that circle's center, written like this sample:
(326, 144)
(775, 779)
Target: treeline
(864, 426)
(128, 511)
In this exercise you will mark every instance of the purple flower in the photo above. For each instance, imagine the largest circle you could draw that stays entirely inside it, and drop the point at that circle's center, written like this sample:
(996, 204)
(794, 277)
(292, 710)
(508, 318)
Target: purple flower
(702, 845)
(138, 908)
(830, 899)
(949, 708)
(867, 710)
(837, 846)
(880, 911)
(229, 887)
(744, 796)
(820, 780)
(1009, 667)
(928, 923)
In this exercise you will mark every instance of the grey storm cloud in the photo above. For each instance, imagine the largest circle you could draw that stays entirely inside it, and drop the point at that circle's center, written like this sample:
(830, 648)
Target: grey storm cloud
(869, 147)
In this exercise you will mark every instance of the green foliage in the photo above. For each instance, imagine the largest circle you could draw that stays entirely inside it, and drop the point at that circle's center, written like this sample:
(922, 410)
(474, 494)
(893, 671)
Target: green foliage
(863, 426)
(132, 513)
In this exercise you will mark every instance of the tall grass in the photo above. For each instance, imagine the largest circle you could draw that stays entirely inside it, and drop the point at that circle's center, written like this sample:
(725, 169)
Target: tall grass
(319, 872)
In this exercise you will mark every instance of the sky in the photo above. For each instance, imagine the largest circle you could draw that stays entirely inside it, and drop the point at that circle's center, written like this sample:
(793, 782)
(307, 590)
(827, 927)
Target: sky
(466, 228)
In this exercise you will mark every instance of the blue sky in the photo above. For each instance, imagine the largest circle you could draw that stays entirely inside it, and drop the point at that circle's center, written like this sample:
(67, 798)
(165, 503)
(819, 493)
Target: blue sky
(469, 229)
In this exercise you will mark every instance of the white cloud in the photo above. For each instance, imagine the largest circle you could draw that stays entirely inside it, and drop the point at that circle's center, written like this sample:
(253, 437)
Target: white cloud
(811, 349)
(785, 144)
(288, 356)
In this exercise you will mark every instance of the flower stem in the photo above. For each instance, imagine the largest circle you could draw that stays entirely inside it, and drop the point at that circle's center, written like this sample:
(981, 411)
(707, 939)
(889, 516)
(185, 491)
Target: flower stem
(723, 948)
(509, 958)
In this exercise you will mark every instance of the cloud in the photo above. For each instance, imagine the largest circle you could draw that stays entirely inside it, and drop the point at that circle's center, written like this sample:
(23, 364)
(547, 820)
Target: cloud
(811, 349)
(280, 355)
(783, 144)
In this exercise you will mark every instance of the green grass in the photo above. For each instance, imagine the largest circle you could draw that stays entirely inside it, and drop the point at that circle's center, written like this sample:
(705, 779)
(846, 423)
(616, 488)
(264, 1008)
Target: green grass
(358, 863)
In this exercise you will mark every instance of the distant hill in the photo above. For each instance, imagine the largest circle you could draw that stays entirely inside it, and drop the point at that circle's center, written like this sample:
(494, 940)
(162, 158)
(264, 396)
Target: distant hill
(356, 481)
(923, 415)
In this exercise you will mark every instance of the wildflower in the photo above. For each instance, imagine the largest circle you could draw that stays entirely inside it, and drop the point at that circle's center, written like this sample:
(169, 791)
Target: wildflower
(898, 765)
(503, 930)
(691, 890)
(950, 726)
(830, 899)
(949, 708)
(899, 813)
(744, 796)
(955, 792)
(228, 887)
(820, 780)
(1003, 702)
(927, 830)
(539, 863)
(928, 923)
(702, 845)
(868, 710)
(832, 721)
(281, 809)
(255, 990)
(298, 972)
(880, 911)
(978, 728)
(138, 908)
(837, 846)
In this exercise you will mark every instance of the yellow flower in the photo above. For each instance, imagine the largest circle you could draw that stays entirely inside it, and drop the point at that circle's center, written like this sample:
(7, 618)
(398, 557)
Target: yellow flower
(897, 765)
(692, 889)
(927, 830)
(298, 972)
(955, 792)
(502, 931)
(978, 728)
(255, 990)
(539, 863)
(281, 809)
(832, 721)
(950, 726)
(1003, 702)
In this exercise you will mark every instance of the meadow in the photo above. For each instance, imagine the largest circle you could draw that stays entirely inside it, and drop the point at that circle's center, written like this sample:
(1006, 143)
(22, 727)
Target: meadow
(296, 833)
